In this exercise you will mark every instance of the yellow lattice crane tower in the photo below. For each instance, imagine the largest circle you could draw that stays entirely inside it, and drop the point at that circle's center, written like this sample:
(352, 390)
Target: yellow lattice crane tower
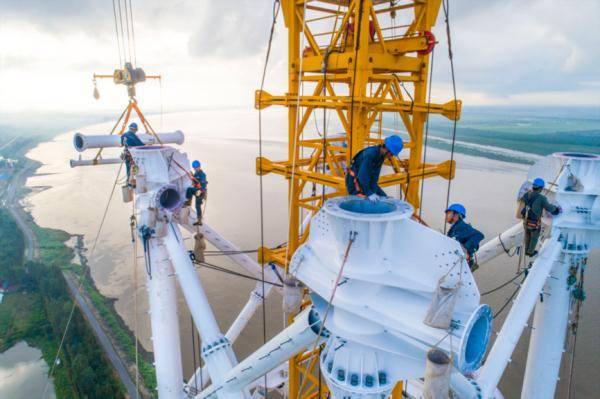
(358, 60)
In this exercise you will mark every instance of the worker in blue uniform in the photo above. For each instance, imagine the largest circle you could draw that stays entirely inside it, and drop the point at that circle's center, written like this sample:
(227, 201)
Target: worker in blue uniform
(130, 139)
(197, 190)
(468, 237)
(534, 205)
(363, 174)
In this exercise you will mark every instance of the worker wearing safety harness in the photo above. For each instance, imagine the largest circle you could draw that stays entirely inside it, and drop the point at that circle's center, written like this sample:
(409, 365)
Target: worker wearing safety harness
(363, 174)
(534, 205)
(468, 236)
(130, 139)
(197, 190)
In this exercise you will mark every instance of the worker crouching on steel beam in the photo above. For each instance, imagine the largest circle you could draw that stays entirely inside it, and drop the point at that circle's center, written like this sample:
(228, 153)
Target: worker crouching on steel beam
(468, 236)
(363, 174)
(197, 190)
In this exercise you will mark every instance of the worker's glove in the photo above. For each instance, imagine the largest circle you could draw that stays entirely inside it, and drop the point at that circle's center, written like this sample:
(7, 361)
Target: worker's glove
(374, 198)
(558, 211)
(198, 193)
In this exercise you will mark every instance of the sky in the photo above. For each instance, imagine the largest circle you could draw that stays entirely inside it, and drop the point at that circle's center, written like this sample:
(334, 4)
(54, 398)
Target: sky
(211, 53)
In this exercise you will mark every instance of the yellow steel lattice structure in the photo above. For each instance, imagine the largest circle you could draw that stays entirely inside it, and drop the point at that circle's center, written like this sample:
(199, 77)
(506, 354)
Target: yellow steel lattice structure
(357, 60)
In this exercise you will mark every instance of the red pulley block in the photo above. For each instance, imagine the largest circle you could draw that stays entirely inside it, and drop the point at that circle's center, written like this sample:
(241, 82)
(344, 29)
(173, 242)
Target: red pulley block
(430, 37)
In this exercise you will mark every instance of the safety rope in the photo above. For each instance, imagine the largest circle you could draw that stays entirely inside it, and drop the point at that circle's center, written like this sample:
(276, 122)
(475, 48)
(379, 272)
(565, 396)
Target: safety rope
(81, 279)
(135, 297)
(506, 250)
(511, 297)
(192, 328)
(503, 284)
(574, 330)
(336, 284)
(446, 7)
(222, 269)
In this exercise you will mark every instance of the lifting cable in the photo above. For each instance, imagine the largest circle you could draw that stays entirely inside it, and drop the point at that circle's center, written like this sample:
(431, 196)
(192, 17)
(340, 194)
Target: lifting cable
(291, 190)
(81, 279)
(123, 19)
(275, 14)
(117, 33)
(446, 6)
(356, 47)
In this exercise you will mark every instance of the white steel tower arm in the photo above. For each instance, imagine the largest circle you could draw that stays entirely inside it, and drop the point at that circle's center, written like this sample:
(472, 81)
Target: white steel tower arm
(236, 328)
(513, 326)
(216, 350)
(162, 299)
(298, 336)
(500, 244)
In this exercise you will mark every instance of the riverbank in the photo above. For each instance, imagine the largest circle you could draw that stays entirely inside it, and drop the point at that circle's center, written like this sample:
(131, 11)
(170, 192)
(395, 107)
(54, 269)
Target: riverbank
(38, 311)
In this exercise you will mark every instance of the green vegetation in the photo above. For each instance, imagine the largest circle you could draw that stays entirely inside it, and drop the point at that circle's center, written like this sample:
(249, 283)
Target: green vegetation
(38, 314)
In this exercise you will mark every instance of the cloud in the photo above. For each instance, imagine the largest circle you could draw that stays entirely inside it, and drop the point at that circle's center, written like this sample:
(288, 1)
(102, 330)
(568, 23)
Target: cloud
(232, 28)
(514, 47)
(211, 52)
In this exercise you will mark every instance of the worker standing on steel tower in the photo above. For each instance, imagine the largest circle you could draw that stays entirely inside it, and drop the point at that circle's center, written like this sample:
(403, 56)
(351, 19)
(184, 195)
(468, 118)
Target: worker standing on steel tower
(534, 205)
(198, 190)
(363, 174)
(468, 236)
(130, 139)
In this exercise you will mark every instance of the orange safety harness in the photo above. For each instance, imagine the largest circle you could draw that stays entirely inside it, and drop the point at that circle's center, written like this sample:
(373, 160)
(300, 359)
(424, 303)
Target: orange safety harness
(530, 224)
(356, 184)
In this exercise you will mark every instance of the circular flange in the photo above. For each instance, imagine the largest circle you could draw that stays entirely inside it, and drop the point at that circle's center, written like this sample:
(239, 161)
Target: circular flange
(357, 208)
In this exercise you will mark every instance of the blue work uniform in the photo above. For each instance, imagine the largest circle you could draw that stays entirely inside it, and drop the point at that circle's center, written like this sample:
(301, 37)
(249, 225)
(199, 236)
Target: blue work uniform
(468, 236)
(363, 175)
(130, 139)
(200, 184)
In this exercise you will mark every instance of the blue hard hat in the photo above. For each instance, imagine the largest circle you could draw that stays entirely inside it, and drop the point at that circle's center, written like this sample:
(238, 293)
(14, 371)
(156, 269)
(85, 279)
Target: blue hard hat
(196, 164)
(458, 208)
(538, 183)
(394, 144)
(133, 126)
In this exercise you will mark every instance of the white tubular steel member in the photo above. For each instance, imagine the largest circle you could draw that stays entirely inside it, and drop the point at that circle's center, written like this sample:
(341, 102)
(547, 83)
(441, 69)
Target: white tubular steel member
(500, 244)
(216, 350)
(513, 326)
(295, 338)
(83, 142)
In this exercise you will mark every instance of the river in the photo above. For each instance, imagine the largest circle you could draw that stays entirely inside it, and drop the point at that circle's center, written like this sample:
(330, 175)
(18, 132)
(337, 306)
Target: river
(23, 373)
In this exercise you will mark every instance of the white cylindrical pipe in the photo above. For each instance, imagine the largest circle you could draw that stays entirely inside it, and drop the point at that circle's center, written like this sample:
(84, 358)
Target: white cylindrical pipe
(83, 142)
(500, 244)
(293, 339)
(548, 335)
(513, 326)
(216, 350)
(437, 375)
(91, 162)
(236, 328)
(165, 325)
